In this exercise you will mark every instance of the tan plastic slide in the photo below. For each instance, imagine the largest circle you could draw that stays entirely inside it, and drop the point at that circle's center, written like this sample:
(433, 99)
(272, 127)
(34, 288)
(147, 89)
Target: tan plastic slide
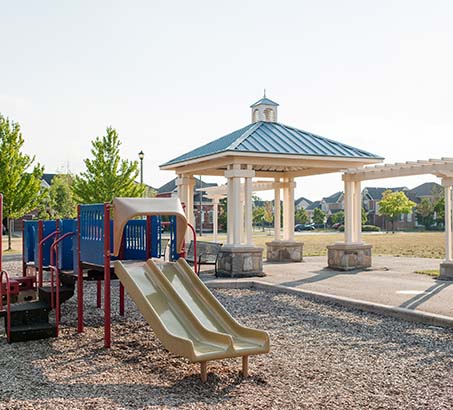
(185, 315)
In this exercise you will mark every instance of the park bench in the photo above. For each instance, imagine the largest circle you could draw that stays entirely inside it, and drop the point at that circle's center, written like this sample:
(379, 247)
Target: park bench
(206, 253)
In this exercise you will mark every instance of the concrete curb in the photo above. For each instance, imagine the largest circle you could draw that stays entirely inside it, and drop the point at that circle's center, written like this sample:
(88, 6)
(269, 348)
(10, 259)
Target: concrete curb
(386, 310)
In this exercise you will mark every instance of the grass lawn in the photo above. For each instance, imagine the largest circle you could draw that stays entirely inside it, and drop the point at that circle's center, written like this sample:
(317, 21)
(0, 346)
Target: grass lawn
(416, 244)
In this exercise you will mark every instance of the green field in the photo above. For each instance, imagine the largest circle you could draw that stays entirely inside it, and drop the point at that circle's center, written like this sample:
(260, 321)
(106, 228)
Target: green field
(416, 244)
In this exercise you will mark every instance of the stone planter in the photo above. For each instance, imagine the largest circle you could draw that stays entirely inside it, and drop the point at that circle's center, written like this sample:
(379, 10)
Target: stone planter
(284, 251)
(341, 256)
(240, 261)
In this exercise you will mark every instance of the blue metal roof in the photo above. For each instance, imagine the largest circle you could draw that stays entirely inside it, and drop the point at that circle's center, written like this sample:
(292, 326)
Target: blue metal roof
(275, 138)
(265, 101)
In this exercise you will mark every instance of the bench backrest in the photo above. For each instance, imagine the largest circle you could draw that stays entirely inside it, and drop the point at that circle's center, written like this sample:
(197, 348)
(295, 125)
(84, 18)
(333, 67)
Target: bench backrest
(206, 251)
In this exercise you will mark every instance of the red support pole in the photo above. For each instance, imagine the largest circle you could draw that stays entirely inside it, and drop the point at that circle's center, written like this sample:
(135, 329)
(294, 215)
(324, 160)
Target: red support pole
(121, 299)
(107, 325)
(1, 234)
(79, 279)
(8, 301)
(39, 253)
(98, 294)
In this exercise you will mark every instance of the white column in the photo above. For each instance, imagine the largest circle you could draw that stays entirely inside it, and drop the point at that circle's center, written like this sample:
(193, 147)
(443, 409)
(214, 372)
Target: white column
(182, 183)
(288, 209)
(215, 216)
(448, 226)
(291, 212)
(236, 208)
(248, 208)
(189, 204)
(358, 212)
(242, 212)
(230, 211)
(277, 210)
(348, 212)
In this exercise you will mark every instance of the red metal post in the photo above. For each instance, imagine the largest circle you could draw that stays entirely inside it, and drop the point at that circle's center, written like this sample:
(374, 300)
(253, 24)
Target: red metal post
(8, 301)
(79, 279)
(98, 294)
(1, 234)
(121, 299)
(39, 253)
(107, 326)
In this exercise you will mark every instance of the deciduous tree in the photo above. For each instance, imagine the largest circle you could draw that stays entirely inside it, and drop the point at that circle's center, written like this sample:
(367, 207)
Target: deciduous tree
(393, 205)
(20, 180)
(107, 175)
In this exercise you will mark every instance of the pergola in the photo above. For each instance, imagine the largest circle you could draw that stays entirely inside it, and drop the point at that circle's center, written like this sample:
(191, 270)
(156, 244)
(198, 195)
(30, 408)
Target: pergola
(263, 149)
(441, 168)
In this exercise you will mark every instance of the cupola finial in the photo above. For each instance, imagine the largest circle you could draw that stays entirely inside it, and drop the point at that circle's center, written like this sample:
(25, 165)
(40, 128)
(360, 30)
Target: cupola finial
(264, 95)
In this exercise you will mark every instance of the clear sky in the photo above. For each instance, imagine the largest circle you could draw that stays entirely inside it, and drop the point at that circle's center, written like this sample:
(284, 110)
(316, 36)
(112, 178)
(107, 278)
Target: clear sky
(173, 75)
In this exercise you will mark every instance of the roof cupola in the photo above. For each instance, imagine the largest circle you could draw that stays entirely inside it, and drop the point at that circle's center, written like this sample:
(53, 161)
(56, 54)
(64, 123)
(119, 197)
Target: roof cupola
(264, 110)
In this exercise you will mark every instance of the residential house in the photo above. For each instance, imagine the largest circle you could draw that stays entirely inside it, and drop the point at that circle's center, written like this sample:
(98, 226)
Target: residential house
(302, 203)
(371, 197)
(329, 205)
(200, 202)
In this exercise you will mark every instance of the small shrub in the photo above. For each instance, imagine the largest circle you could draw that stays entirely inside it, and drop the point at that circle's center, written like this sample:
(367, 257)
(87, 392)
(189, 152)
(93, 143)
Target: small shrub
(365, 228)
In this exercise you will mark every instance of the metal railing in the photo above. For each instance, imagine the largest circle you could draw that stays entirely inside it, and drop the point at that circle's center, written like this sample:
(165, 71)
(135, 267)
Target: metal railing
(55, 301)
(5, 274)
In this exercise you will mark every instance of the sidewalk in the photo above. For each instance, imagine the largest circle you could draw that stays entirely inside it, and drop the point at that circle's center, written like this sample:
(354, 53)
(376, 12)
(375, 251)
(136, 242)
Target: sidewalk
(391, 282)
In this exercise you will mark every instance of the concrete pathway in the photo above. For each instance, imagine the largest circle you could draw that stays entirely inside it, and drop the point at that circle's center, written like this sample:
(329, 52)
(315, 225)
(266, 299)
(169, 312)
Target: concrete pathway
(391, 282)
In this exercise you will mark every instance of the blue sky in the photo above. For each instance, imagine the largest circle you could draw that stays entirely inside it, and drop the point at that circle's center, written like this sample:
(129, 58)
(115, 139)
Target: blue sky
(170, 76)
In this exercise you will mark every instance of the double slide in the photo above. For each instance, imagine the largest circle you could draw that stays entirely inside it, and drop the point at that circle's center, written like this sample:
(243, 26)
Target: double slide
(185, 315)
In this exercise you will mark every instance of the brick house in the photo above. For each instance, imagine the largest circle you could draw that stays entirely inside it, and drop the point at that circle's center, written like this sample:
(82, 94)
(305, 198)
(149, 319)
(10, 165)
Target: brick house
(170, 190)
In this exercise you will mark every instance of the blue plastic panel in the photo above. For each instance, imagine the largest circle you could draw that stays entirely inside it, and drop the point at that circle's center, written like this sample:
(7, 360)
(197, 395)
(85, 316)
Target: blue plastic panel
(174, 255)
(92, 234)
(134, 240)
(66, 247)
(30, 238)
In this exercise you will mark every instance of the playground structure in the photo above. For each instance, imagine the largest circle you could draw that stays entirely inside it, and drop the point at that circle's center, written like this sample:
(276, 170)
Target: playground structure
(181, 310)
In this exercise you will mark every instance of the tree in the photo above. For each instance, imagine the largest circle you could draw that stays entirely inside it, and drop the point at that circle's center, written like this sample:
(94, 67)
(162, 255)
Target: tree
(394, 204)
(301, 216)
(62, 204)
(338, 217)
(424, 212)
(439, 209)
(107, 175)
(258, 215)
(20, 180)
(268, 212)
(319, 216)
(364, 216)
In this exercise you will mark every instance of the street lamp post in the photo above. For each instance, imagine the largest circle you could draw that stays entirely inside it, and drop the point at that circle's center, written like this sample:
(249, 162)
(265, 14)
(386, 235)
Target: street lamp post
(141, 155)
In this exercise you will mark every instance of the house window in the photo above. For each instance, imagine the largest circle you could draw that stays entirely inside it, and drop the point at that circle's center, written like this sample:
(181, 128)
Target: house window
(409, 217)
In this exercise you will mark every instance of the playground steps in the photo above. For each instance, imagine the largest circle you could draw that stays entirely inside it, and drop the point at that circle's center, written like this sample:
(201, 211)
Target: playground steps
(30, 321)
(44, 292)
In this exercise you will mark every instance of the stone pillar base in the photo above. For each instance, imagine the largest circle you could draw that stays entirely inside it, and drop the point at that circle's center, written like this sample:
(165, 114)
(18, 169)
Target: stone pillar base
(446, 271)
(240, 261)
(284, 251)
(341, 256)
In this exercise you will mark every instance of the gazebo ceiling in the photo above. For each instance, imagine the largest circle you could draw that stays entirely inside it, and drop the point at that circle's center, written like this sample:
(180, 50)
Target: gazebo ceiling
(271, 148)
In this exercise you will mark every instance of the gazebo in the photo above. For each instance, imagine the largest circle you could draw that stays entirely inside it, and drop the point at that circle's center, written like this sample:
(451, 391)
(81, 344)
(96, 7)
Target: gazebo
(263, 149)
